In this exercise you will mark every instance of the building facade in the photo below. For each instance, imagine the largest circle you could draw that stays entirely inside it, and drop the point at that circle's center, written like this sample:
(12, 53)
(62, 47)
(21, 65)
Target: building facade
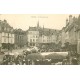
(33, 36)
(63, 35)
(40, 36)
(6, 35)
(20, 38)
(78, 40)
(70, 35)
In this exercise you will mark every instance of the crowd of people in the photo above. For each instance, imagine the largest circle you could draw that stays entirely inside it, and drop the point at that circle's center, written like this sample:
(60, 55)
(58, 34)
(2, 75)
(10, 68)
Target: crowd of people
(22, 60)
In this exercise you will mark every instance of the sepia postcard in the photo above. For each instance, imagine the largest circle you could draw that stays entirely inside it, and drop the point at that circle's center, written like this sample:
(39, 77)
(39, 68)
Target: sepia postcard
(39, 39)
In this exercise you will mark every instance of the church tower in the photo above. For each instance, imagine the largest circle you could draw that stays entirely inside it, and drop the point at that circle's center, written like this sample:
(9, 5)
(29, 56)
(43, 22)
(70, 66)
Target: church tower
(38, 24)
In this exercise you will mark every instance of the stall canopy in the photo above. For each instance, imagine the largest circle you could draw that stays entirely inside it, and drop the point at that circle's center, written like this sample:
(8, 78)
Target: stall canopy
(35, 56)
(55, 55)
(34, 50)
(27, 51)
(12, 54)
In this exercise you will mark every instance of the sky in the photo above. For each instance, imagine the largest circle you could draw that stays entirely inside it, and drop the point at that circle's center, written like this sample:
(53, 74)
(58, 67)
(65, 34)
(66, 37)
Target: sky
(23, 21)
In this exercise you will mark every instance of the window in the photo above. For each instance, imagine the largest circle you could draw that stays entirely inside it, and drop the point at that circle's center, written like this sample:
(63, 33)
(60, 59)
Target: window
(3, 34)
(6, 34)
(4, 40)
(30, 40)
(30, 32)
(11, 35)
(36, 40)
(11, 40)
(43, 40)
(33, 36)
(33, 40)
(52, 33)
(33, 44)
(2, 28)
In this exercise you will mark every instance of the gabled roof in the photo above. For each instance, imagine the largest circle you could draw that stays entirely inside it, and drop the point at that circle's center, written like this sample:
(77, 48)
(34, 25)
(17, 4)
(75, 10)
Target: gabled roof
(48, 32)
(44, 31)
(33, 28)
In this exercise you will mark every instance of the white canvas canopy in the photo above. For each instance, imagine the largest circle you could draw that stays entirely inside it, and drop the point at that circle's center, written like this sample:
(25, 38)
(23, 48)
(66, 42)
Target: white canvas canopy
(58, 53)
(9, 53)
(45, 53)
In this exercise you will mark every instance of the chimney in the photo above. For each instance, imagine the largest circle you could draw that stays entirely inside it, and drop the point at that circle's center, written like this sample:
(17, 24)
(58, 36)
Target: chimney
(66, 22)
(70, 19)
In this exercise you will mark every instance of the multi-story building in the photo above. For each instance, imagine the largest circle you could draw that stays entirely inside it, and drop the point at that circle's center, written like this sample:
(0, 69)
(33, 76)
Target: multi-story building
(38, 36)
(78, 42)
(6, 35)
(20, 38)
(33, 36)
(78, 39)
(66, 33)
(48, 36)
(69, 34)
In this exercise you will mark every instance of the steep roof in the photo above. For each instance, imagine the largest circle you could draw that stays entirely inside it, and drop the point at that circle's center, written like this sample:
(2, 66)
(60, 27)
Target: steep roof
(48, 32)
(33, 28)
(44, 31)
